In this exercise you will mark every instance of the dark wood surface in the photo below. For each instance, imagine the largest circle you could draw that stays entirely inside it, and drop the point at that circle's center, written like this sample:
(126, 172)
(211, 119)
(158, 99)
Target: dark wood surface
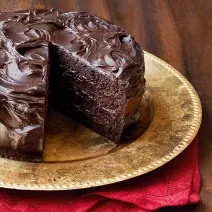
(177, 31)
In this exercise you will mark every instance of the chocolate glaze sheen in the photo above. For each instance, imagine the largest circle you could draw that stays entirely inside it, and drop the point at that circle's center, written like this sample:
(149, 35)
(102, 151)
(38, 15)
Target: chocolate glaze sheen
(24, 40)
(98, 42)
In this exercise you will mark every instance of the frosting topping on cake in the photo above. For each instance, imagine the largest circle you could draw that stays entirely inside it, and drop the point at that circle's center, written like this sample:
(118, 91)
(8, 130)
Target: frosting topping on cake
(99, 42)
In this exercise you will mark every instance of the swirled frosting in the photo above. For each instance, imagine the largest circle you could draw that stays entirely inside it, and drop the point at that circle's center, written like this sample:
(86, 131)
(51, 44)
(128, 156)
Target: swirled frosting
(24, 40)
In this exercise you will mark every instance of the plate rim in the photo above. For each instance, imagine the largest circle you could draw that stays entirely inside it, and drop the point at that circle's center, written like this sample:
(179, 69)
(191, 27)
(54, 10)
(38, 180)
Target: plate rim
(197, 118)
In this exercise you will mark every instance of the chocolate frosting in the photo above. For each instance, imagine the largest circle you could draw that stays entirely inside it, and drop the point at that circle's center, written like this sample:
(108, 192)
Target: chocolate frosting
(24, 40)
(97, 41)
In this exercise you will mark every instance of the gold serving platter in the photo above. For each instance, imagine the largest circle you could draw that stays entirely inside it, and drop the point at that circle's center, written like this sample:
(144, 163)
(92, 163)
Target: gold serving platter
(76, 158)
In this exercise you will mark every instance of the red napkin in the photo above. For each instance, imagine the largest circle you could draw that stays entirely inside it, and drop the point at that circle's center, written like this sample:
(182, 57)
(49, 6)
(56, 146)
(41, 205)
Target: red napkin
(175, 184)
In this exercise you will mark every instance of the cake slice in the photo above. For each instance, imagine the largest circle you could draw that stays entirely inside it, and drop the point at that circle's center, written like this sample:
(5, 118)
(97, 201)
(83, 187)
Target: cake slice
(97, 74)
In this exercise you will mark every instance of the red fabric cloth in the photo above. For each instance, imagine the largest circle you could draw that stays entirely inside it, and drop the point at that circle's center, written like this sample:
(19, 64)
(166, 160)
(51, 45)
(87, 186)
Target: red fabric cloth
(175, 184)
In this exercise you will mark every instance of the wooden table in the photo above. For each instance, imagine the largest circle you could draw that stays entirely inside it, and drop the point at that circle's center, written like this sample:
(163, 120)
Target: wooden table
(179, 32)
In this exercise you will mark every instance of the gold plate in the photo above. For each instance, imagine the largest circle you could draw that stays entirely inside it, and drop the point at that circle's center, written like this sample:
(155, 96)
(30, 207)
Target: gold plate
(76, 157)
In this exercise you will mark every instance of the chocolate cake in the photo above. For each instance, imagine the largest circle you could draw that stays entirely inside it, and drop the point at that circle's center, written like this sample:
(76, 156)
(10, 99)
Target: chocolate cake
(77, 63)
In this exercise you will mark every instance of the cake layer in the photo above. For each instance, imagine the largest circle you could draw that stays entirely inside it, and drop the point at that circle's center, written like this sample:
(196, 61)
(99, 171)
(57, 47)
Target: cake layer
(99, 91)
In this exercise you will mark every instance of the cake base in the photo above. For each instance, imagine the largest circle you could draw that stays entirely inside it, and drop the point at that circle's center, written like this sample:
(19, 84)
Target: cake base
(14, 155)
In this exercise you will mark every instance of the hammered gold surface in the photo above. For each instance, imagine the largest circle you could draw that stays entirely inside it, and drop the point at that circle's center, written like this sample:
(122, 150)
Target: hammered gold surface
(78, 158)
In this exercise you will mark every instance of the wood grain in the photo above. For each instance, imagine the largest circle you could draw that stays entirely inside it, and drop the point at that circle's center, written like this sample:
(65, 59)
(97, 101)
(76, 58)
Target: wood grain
(177, 31)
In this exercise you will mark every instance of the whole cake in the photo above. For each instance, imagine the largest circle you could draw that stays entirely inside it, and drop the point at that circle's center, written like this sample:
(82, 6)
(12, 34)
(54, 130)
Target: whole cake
(76, 63)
